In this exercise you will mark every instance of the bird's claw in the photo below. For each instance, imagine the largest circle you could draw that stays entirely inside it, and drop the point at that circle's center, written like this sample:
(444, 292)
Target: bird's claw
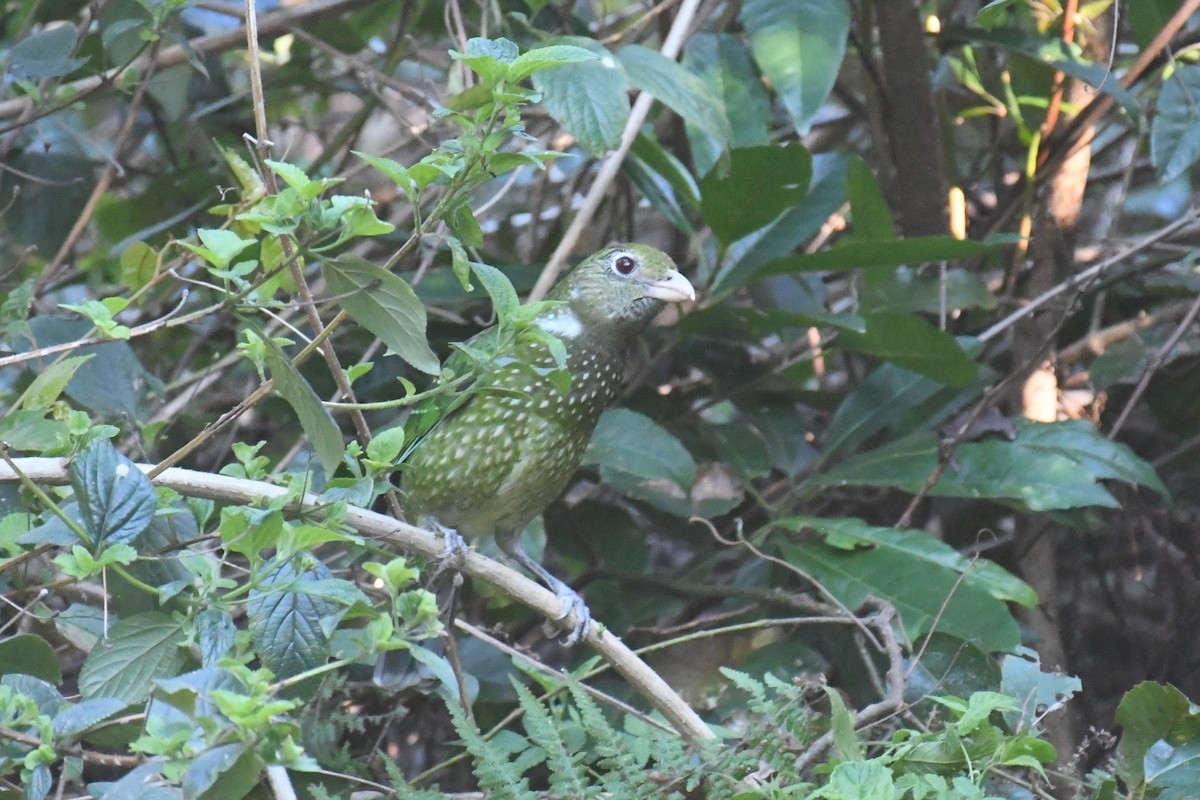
(454, 554)
(583, 617)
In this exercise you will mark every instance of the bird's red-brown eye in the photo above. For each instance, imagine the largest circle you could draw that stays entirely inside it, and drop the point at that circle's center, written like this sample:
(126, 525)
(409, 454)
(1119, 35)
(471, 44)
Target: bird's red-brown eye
(625, 265)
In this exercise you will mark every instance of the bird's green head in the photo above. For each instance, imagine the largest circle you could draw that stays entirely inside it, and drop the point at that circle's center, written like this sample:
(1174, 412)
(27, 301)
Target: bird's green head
(621, 288)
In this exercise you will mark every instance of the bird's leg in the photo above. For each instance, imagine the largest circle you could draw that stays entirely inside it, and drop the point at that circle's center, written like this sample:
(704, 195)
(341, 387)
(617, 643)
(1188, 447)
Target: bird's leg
(455, 551)
(510, 544)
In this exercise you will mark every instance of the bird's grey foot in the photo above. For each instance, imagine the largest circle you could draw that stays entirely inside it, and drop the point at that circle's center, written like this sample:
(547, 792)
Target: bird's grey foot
(454, 553)
(572, 602)
(571, 599)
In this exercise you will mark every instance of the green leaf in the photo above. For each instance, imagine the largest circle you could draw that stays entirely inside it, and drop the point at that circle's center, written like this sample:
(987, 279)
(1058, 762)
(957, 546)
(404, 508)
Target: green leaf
(892, 253)
(286, 624)
(74, 720)
(29, 654)
(218, 247)
(1021, 677)
(848, 533)
(45, 54)
(1048, 466)
(465, 227)
(499, 288)
(1174, 135)
(315, 419)
(871, 219)
(724, 63)
(225, 772)
(490, 58)
(138, 650)
(799, 45)
(386, 445)
(634, 444)
(927, 595)
(116, 499)
(394, 170)
(540, 58)
(911, 342)
(51, 382)
(888, 396)
(846, 746)
(587, 98)
(384, 304)
(777, 177)
(1150, 712)
(296, 178)
(673, 86)
(1174, 770)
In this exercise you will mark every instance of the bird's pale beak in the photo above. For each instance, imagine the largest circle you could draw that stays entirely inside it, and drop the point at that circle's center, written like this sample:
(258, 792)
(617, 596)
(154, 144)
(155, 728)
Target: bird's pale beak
(672, 289)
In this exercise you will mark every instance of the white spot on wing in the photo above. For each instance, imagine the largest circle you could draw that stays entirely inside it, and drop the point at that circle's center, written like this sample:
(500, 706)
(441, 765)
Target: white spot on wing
(564, 325)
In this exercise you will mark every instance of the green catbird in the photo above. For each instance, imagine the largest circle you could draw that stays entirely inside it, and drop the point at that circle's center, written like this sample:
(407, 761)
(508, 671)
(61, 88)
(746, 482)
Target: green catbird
(497, 460)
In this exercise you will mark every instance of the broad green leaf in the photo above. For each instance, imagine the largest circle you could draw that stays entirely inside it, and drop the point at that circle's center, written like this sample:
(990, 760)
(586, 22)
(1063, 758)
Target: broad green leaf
(871, 219)
(74, 720)
(658, 192)
(636, 445)
(928, 596)
(911, 342)
(386, 445)
(1048, 466)
(51, 382)
(384, 304)
(794, 227)
(554, 55)
(287, 625)
(776, 177)
(1148, 713)
(799, 45)
(848, 533)
(724, 63)
(394, 170)
(315, 419)
(1021, 677)
(138, 650)
(846, 746)
(490, 58)
(217, 631)
(1174, 134)
(587, 98)
(464, 225)
(1174, 770)
(917, 250)
(45, 54)
(673, 86)
(116, 499)
(29, 654)
(218, 247)
(226, 771)
(499, 288)
(908, 289)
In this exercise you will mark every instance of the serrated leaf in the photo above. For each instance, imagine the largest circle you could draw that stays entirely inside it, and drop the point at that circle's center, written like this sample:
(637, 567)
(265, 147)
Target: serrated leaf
(848, 533)
(1035, 691)
(286, 624)
(799, 45)
(634, 444)
(540, 58)
(673, 86)
(216, 634)
(74, 720)
(913, 343)
(777, 177)
(315, 419)
(116, 500)
(29, 654)
(393, 169)
(45, 54)
(1174, 135)
(225, 772)
(384, 304)
(138, 650)
(588, 99)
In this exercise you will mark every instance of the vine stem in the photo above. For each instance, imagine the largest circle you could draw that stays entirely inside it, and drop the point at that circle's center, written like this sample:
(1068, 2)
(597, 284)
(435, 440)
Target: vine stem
(410, 539)
(671, 47)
